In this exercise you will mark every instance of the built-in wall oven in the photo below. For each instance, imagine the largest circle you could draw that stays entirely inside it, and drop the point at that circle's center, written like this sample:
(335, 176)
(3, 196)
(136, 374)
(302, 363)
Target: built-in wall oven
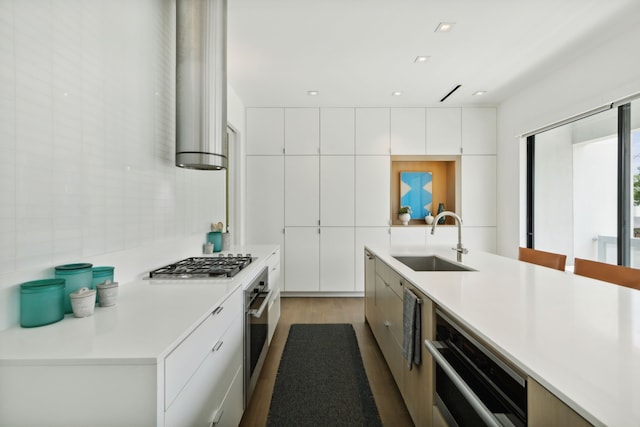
(256, 301)
(473, 386)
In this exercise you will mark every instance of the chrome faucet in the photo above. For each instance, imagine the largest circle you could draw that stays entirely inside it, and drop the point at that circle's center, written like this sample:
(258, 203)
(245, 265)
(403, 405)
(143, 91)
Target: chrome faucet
(459, 249)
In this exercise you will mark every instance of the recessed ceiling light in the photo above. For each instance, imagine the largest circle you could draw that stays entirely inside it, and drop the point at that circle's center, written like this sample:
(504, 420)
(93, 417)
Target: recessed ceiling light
(313, 93)
(421, 59)
(445, 27)
(479, 92)
(396, 93)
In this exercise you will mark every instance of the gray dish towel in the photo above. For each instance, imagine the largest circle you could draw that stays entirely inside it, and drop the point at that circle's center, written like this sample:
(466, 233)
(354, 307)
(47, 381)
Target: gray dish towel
(411, 327)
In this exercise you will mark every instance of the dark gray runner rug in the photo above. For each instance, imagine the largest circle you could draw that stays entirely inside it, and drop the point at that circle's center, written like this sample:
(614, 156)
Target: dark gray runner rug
(321, 380)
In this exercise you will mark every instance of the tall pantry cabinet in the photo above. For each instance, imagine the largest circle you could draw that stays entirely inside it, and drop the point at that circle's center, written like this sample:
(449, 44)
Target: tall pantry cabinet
(318, 184)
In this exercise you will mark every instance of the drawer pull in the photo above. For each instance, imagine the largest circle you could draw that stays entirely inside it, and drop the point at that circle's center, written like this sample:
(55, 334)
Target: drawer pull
(217, 346)
(217, 310)
(217, 414)
(387, 323)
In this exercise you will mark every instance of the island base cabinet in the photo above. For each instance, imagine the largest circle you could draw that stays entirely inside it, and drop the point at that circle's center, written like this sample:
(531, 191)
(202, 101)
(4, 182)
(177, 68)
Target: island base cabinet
(417, 382)
(437, 419)
(546, 410)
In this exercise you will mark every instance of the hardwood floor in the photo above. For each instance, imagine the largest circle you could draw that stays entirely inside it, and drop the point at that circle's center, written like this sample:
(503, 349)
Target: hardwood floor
(329, 310)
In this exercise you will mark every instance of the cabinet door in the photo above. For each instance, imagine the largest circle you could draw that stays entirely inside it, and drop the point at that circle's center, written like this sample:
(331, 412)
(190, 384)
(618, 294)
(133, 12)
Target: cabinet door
(408, 131)
(265, 131)
(265, 199)
(367, 236)
(479, 190)
(443, 131)
(302, 255)
(372, 131)
(337, 192)
(301, 130)
(372, 191)
(301, 190)
(404, 236)
(478, 131)
(337, 259)
(337, 130)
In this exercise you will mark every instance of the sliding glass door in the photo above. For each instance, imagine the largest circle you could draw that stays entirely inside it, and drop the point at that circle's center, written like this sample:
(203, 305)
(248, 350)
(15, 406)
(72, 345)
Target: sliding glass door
(584, 183)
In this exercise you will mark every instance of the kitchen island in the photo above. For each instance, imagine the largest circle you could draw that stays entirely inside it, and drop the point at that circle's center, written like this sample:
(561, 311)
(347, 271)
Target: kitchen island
(577, 337)
(133, 363)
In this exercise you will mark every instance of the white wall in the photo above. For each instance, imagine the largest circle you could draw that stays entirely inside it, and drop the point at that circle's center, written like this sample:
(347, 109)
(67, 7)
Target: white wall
(607, 72)
(87, 127)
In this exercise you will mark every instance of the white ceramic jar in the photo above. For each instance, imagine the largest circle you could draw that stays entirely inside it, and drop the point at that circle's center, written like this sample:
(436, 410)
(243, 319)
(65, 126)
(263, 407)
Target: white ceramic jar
(83, 302)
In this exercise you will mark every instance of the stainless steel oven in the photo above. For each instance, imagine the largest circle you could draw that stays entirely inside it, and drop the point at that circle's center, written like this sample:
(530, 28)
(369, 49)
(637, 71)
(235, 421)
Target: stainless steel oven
(473, 386)
(256, 301)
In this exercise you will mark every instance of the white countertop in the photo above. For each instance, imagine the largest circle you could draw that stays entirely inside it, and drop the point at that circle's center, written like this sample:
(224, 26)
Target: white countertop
(577, 336)
(148, 321)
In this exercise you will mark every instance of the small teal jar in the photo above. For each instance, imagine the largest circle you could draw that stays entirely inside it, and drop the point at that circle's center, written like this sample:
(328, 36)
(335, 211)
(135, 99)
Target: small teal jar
(100, 275)
(215, 238)
(41, 302)
(76, 276)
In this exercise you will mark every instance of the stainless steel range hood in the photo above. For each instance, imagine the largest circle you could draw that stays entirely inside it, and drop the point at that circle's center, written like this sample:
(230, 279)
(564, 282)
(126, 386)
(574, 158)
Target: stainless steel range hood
(201, 84)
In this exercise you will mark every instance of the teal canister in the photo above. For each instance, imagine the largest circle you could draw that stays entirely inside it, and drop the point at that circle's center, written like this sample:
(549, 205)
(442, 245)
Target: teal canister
(215, 238)
(76, 276)
(41, 302)
(100, 275)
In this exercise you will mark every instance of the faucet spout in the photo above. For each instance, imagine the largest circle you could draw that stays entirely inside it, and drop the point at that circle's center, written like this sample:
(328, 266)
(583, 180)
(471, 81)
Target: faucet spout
(459, 248)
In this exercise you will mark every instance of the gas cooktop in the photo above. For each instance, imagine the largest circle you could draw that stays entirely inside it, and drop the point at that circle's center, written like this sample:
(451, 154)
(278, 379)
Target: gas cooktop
(203, 267)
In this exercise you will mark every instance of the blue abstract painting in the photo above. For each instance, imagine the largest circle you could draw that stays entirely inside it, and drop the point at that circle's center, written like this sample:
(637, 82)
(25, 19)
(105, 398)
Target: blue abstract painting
(416, 192)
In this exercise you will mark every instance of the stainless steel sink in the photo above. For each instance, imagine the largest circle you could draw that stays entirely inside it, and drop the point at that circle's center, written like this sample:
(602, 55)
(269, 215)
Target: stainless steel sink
(431, 263)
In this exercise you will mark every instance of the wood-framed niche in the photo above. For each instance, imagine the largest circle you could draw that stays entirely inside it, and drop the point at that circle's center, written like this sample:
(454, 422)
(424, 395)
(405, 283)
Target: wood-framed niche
(445, 172)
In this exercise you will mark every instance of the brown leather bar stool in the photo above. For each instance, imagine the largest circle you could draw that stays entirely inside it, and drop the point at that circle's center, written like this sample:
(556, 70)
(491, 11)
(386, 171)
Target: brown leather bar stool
(617, 274)
(545, 259)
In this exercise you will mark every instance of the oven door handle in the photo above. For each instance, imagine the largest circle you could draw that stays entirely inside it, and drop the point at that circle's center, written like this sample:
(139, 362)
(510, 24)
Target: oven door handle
(258, 312)
(484, 412)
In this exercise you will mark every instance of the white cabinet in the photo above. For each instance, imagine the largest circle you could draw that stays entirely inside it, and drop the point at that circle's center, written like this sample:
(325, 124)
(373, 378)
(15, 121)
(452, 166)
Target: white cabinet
(478, 130)
(301, 190)
(337, 181)
(337, 130)
(214, 391)
(443, 131)
(408, 131)
(265, 199)
(203, 375)
(301, 130)
(265, 131)
(372, 191)
(273, 263)
(408, 235)
(372, 131)
(478, 190)
(337, 257)
(302, 252)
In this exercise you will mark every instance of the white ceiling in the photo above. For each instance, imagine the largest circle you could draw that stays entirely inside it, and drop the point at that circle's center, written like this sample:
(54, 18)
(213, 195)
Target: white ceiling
(357, 52)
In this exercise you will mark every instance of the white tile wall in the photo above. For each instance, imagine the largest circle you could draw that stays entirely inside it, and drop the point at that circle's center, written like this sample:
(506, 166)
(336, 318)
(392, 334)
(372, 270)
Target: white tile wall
(87, 127)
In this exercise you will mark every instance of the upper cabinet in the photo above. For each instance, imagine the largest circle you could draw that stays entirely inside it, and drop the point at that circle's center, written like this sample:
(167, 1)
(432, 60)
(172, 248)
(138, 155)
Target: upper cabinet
(301, 131)
(372, 130)
(443, 131)
(265, 131)
(408, 131)
(337, 131)
(479, 130)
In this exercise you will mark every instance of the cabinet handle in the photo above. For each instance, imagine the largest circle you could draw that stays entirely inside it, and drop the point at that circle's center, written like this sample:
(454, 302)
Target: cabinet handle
(387, 323)
(217, 346)
(385, 283)
(217, 414)
(217, 310)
